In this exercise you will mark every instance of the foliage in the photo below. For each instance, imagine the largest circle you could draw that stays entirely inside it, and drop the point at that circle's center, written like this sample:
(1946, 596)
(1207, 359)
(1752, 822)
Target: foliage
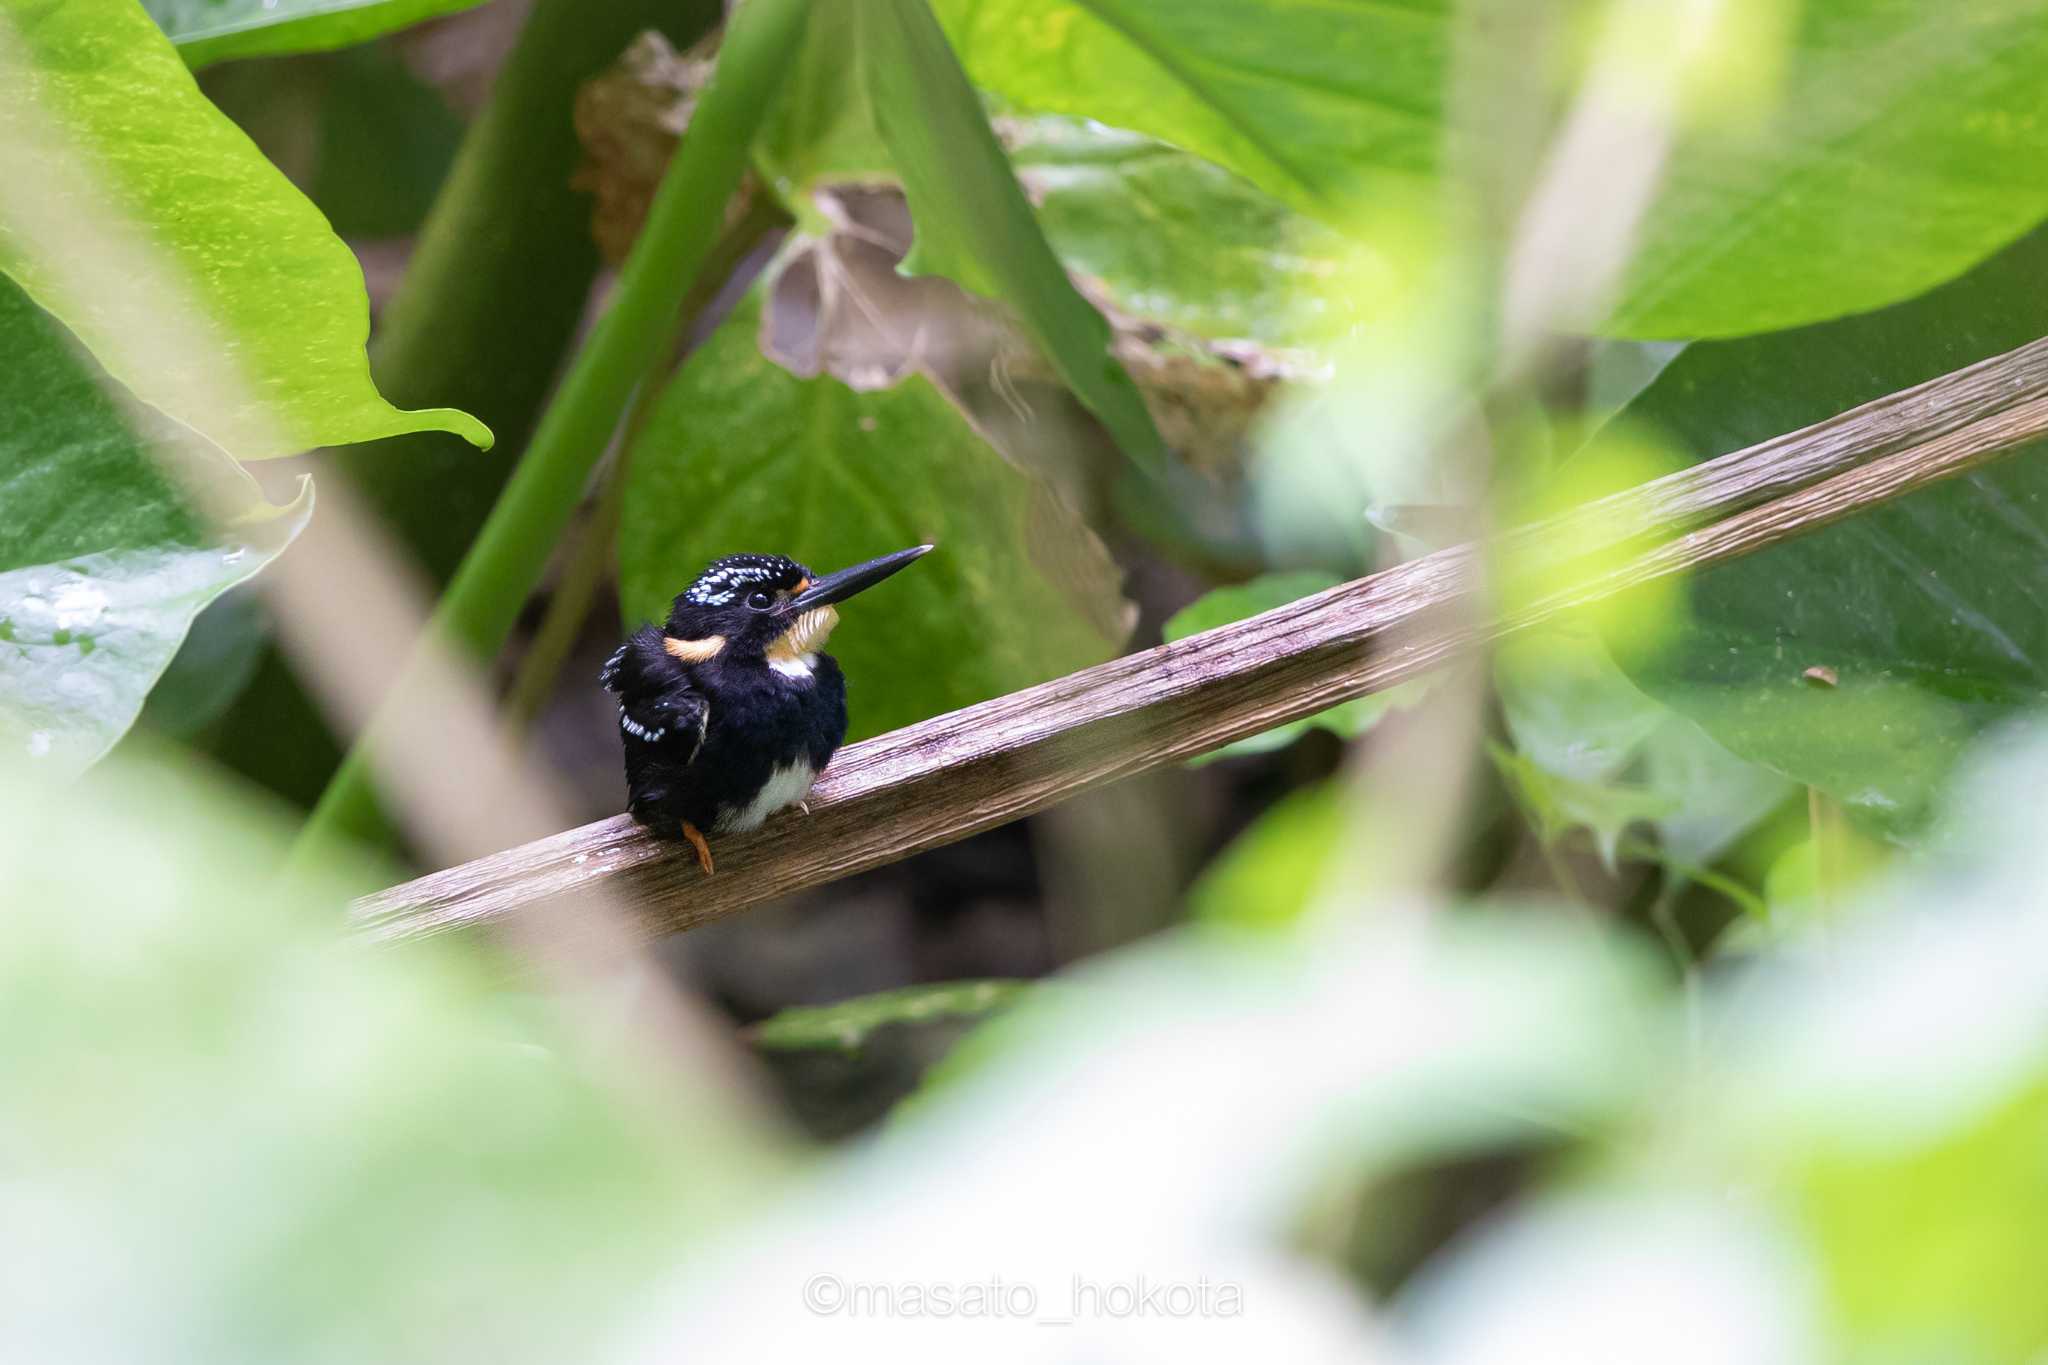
(1165, 314)
(215, 30)
(738, 453)
(1926, 611)
(1347, 720)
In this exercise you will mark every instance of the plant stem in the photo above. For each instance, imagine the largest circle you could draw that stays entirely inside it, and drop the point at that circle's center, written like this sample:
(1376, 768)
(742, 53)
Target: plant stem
(1830, 848)
(682, 226)
(569, 604)
(493, 295)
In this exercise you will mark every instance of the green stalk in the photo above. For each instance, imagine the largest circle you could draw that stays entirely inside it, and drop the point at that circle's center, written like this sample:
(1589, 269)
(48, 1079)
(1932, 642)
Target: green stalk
(591, 556)
(682, 226)
(483, 320)
(497, 284)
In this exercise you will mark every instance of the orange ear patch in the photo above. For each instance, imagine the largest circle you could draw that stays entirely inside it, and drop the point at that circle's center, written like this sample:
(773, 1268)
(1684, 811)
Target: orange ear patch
(693, 651)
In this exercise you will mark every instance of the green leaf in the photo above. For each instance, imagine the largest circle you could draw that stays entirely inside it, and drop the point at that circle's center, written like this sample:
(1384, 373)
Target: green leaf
(1560, 805)
(1221, 606)
(1926, 611)
(103, 562)
(188, 265)
(1790, 213)
(849, 1025)
(1824, 208)
(1172, 238)
(215, 30)
(1307, 99)
(1594, 740)
(739, 455)
(279, 1131)
(1270, 874)
(821, 130)
(1926, 1251)
(973, 223)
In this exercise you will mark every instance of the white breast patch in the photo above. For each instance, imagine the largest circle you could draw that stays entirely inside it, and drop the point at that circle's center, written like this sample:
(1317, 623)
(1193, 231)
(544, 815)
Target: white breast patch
(785, 787)
(797, 667)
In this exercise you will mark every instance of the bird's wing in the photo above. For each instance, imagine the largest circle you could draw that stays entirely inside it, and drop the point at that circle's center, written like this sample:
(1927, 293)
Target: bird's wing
(658, 705)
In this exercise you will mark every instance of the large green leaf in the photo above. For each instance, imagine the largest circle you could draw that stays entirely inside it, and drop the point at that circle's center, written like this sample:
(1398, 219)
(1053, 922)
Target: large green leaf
(269, 1143)
(1307, 98)
(214, 30)
(1902, 152)
(1927, 612)
(103, 563)
(1172, 238)
(973, 223)
(153, 201)
(739, 455)
(1817, 206)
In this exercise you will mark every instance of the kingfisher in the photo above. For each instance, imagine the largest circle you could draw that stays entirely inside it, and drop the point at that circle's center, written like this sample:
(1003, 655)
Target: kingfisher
(731, 710)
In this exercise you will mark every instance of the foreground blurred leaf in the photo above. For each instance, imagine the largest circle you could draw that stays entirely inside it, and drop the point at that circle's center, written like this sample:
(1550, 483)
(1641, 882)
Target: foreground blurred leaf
(973, 223)
(739, 455)
(270, 1143)
(1890, 1083)
(139, 173)
(1926, 611)
(1271, 873)
(1178, 1106)
(103, 561)
(1220, 607)
(215, 30)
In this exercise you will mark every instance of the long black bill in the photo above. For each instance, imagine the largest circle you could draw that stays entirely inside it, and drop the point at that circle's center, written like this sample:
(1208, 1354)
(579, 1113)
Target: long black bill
(837, 587)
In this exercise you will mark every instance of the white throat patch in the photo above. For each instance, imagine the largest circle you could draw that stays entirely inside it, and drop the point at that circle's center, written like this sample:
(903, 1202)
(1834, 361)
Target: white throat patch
(795, 652)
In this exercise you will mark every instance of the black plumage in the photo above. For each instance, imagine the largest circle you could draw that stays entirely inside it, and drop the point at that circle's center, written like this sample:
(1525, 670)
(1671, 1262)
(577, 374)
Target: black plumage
(730, 711)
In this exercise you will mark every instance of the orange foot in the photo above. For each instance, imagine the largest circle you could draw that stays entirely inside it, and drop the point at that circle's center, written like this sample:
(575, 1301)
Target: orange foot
(697, 842)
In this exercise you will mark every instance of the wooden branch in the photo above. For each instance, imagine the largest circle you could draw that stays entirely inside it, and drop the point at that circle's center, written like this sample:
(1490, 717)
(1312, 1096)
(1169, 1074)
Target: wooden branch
(954, 775)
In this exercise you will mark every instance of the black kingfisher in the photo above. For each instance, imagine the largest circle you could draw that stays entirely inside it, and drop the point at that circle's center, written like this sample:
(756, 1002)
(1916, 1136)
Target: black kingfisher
(730, 712)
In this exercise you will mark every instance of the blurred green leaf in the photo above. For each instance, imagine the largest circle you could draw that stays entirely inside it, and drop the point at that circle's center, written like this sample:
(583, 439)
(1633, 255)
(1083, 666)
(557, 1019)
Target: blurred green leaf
(269, 1142)
(1927, 611)
(1308, 99)
(1585, 730)
(1271, 873)
(103, 561)
(739, 455)
(1172, 238)
(1806, 216)
(848, 1025)
(822, 129)
(1929, 1253)
(386, 142)
(215, 30)
(1221, 606)
(1786, 214)
(154, 173)
(974, 225)
(1561, 804)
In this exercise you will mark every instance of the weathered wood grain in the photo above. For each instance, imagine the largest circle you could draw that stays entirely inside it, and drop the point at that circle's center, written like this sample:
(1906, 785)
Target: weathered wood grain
(957, 774)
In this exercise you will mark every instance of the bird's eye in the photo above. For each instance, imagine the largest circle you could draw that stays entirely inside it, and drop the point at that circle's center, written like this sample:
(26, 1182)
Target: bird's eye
(759, 601)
